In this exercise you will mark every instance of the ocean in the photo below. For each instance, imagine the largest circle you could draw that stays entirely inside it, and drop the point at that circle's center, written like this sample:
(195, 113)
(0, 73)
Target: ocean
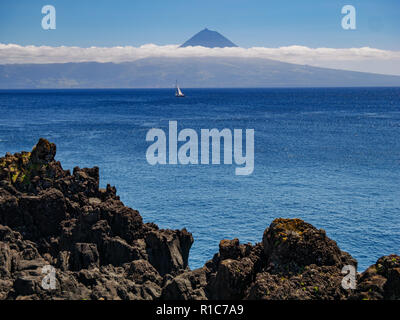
(328, 156)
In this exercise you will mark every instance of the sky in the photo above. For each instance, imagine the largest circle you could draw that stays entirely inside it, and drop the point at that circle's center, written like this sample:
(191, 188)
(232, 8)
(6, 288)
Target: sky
(288, 30)
(248, 23)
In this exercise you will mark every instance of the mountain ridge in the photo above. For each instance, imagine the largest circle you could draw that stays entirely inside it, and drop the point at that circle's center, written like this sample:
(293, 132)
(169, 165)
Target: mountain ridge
(199, 72)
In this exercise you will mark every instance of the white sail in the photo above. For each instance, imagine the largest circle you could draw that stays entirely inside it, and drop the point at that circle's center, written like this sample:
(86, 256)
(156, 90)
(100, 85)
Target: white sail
(179, 91)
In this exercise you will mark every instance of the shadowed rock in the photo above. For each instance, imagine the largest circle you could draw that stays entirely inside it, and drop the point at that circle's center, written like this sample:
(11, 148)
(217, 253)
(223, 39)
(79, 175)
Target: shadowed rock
(49, 216)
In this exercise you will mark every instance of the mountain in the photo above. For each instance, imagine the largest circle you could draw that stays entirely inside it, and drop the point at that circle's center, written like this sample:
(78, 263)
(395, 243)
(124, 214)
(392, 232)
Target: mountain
(101, 249)
(191, 72)
(210, 39)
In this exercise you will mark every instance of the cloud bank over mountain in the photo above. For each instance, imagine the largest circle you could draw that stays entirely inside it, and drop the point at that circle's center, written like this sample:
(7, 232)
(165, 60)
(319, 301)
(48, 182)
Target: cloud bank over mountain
(356, 59)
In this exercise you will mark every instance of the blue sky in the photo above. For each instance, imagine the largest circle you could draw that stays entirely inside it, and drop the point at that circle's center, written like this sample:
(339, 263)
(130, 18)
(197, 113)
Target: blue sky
(312, 23)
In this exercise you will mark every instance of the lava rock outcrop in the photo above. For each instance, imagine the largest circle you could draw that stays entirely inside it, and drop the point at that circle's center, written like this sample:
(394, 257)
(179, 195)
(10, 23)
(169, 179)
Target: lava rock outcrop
(97, 248)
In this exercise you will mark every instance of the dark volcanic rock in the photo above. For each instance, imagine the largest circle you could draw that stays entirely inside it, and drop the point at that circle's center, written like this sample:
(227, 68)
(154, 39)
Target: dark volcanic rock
(380, 281)
(63, 226)
(99, 247)
(164, 248)
(210, 39)
(294, 244)
(294, 261)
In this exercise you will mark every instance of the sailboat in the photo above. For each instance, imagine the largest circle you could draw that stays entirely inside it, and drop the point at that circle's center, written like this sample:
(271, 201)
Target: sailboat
(178, 92)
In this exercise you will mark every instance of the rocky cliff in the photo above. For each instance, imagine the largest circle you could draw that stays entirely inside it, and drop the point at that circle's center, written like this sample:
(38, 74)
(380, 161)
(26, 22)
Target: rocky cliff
(100, 249)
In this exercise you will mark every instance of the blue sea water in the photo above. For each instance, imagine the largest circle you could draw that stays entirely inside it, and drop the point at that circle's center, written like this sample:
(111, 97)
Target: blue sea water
(328, 156)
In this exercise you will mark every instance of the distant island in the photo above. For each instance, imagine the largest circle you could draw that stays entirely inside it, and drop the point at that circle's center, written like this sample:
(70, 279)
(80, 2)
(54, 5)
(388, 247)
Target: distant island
(194, 72)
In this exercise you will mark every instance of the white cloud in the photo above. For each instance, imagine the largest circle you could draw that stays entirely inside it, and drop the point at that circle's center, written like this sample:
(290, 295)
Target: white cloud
(359, 59)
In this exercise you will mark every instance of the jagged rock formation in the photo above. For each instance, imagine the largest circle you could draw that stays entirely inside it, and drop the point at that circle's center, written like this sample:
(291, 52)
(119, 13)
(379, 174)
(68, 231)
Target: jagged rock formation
(294, 261)
(101, 249)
